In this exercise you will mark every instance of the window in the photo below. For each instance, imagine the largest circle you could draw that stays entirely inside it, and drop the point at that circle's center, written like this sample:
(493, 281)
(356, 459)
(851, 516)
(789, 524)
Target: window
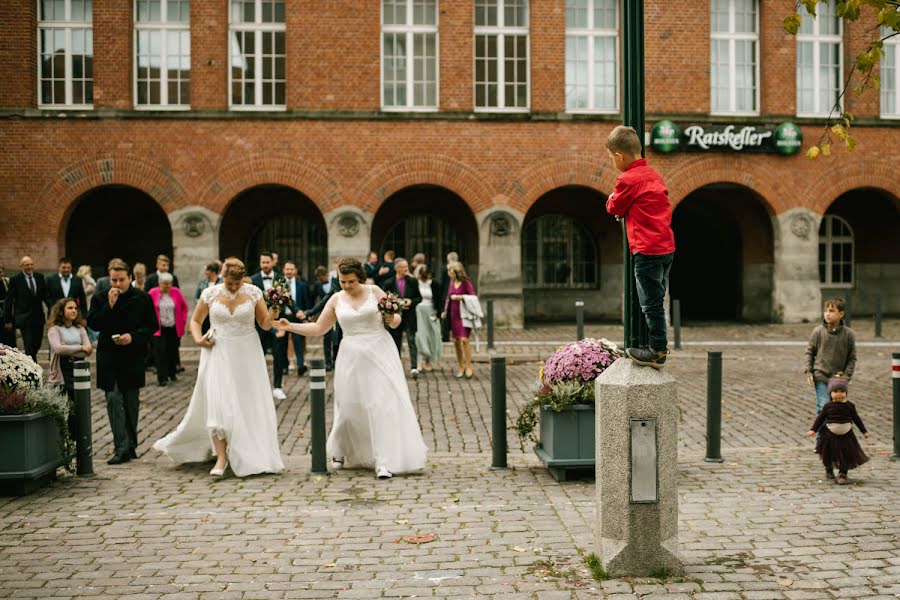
(409, 64)
(501, 55)
(819, 62)
(430, 234)
(66, 51)
(890, 82)
(835, 252)
(257, 58)
(734, 57)
(162, 50)
(557, 252)
(592, 56)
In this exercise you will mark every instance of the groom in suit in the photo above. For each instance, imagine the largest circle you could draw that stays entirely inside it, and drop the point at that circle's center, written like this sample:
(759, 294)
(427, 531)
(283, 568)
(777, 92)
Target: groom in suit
(264, 280)
(406, 287)
(300, 302)
(65, 285)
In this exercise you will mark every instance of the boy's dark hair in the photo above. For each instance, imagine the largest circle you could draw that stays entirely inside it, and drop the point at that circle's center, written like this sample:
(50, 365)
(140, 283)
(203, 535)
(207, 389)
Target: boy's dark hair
(625, 140)
(835, 303)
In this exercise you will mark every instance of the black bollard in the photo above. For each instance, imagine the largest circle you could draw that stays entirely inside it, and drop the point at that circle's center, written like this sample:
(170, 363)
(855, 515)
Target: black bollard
(579, 320)
(84, 452)
(490, 324)
(317, 414)
(878, 315)
(895, 375)
(498, 412)
(714, 407)
(676, 322)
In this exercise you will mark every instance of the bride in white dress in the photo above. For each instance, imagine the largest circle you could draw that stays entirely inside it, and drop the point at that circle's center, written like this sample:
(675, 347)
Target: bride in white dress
(231, 415)
(375, 425)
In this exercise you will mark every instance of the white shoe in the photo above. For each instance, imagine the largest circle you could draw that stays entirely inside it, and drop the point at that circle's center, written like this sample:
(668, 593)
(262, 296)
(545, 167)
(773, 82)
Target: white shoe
(279, 394)
(337, 463)
(383, 473)
(414, 373)
(219, 472)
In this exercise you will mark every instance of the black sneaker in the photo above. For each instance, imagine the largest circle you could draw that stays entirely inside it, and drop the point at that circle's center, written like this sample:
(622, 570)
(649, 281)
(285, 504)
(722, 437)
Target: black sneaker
(132, 454)
(118, 460)
(647, 357)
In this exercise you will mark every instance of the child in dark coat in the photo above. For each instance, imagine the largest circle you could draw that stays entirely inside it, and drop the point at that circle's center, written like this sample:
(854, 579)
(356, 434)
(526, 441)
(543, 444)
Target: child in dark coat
(837, 443)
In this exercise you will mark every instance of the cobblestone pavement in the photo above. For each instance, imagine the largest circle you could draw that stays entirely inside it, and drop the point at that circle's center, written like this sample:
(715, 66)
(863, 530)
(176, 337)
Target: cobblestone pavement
(764, 524)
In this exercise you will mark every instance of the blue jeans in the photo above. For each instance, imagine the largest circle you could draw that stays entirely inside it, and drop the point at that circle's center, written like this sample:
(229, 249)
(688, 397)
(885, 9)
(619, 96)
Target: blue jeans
(822, 398)
(651, 273)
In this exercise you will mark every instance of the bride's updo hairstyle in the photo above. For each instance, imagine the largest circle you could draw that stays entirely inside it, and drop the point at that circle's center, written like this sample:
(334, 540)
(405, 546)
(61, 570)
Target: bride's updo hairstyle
(233, 269)
(351, 266)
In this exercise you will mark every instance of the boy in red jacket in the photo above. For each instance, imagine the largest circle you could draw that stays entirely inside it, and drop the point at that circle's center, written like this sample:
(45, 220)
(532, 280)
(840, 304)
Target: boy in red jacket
(642, 199)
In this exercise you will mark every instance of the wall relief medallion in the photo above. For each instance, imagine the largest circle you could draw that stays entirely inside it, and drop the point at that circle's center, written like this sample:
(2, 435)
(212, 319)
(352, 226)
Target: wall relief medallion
(801, 226)
(194, 225)
(501, 225)
(348, 225)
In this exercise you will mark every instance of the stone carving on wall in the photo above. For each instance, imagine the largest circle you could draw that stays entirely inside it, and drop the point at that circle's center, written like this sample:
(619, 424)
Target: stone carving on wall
(348, 225)
(194, 225)
(801, 226)
(501, 225)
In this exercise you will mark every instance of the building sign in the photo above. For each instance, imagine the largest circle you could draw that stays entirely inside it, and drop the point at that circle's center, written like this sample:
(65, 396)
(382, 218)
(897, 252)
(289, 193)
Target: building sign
(666, 137)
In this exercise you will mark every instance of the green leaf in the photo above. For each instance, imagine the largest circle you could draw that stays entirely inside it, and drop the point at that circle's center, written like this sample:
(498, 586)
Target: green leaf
(792, 24)
(810, 6)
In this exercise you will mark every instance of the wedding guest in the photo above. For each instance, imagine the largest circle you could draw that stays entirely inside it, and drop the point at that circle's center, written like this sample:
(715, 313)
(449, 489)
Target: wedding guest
(264, 280)
(128, 314)
(210, 278)
(386, 268)
(428, 330)
(103, 284)
(460, 285)
(7, 336)
(371, 267)
(172, 313)
(444, 281)
(69, 342)
(24, 307)
(300, 302)
(140, 277)
(89, 285)
(417, 264)
(63, 284)
(405, 287)
(163, 265)
(275, 268)
(325, 289)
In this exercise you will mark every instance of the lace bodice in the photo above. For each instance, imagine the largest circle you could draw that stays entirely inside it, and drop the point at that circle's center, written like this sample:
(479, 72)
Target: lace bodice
(225, 323)
(359, 321)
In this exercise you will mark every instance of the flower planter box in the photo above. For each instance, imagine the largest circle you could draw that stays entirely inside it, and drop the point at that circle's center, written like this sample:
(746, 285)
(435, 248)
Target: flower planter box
(567, 441)
(29, 452)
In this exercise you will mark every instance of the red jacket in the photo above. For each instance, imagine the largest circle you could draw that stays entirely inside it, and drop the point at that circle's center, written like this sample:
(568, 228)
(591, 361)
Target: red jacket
(642, 198)
(181, 309)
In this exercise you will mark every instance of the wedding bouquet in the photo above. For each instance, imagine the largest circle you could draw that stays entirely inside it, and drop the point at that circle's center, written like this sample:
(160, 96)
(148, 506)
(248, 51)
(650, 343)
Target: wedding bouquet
(390, 305)
(278, 296)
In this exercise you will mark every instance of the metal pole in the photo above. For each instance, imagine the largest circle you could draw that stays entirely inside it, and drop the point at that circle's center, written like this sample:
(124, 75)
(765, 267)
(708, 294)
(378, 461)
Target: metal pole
(490, 324)
(895, 376)
(714, 407)
(498, 412)
(579, 320)
(676, 322)
(317, 414)
(84, 460)
(878, 315)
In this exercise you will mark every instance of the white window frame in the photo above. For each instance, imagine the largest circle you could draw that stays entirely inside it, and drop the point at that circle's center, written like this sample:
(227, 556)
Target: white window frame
(258, 27)
(164, 26)
(731, 36)
(572, 254)
(894, 44)
(817, 40)
(592, 33)
(410, 30)
(829, 240)
(68, 25)
(501, 31)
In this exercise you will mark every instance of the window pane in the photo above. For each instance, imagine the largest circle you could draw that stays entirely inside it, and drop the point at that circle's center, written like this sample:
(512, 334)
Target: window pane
(515, 13)
(577, 13)
(605, 14)
(576, 72)
(805, 81)
(486, 12)
(719, 16)
(424, 12)
(889, 80)
(745, 16)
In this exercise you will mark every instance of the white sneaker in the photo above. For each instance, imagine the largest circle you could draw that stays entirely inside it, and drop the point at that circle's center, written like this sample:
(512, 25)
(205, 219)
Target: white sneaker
(383, 473)
(414, 373)
(278, 394)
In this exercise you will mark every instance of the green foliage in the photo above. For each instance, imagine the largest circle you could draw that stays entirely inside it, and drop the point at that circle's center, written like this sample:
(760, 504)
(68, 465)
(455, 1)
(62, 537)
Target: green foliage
(559, 397)
(53, 401)
(597, 570)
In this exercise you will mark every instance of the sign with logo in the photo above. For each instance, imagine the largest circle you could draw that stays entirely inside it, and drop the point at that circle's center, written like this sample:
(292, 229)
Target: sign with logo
(786, 138)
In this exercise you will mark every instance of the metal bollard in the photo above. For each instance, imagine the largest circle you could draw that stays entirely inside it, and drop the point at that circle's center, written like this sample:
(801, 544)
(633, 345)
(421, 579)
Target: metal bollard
(498, 412)
(878, 315)
(895, 376)
(676, 322)
(579, 320)
(317, 414)
(714, 407)
(84, 451)
(490, 324)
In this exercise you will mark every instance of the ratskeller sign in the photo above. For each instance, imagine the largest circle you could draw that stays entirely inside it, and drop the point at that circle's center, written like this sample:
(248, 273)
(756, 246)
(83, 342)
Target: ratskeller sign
(784, 139)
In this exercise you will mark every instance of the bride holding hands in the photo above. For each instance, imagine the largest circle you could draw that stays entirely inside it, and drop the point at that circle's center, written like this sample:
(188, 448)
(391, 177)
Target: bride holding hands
(375, 425)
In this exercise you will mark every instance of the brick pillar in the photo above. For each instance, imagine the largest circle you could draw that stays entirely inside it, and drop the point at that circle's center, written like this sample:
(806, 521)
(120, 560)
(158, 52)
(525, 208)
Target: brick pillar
(856, 39)
(676, 48)
(778, 61)
(112, 54)
(18, 47)
(548, 56)
(457, 41)
(209, 54)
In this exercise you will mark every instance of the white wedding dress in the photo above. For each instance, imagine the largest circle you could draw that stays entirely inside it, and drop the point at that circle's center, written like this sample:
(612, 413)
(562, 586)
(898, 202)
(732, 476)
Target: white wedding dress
(232, 398)
(374, 421)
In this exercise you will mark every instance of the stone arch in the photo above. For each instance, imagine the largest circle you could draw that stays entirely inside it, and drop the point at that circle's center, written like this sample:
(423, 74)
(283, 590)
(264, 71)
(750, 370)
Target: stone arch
(847, 177)
(702, 171)
(383, 181)
(585, 170)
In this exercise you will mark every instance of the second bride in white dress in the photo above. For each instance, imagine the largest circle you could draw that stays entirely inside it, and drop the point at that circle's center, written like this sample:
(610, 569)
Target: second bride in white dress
(375, 425)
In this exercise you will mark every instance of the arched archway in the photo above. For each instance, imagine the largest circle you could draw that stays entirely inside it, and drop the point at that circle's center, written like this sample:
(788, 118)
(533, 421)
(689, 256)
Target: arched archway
(724, 255)
(429, 219)
(275, 218)
(571, 250)
(117, 221)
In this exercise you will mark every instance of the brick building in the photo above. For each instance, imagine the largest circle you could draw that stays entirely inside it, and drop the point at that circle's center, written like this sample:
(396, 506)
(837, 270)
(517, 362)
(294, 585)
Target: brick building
(208, 128)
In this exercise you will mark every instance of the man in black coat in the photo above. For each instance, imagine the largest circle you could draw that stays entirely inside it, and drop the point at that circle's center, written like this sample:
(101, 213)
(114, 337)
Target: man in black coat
(163, 265)
(406, 287)
(300, 302)
(126, 320)
(65, 285)
(24, 306)
(264, 279)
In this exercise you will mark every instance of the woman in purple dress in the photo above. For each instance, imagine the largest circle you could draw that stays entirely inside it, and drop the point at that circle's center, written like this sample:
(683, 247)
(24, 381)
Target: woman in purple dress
(460, 285)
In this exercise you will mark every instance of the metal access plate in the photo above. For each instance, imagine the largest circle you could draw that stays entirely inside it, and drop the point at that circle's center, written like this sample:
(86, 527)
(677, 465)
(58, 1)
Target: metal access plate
(643, 461)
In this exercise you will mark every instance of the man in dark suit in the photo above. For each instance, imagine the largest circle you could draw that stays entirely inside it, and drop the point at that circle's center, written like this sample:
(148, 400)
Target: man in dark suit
(24, 307)
(300, 302)
(328, 285)
(163, 265)
(371, 266)
(126, 320)
(65, 285)
(406, 287)
(385, 269)
(264, 280)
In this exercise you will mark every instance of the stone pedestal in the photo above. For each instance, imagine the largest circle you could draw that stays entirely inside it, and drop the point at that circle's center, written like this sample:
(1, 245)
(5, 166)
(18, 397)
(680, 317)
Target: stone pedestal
(195, 238)
(637, 471)
(349, 234)
(500, 268)
(796, 293)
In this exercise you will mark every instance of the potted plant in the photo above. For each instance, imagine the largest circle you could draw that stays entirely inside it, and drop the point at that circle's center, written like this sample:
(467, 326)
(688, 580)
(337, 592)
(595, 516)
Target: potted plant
(564, 397)
(34, 435)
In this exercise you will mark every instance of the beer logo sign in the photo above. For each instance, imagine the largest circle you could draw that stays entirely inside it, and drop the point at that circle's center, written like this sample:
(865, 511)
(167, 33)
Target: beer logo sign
(665, 137)
(785, 139)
